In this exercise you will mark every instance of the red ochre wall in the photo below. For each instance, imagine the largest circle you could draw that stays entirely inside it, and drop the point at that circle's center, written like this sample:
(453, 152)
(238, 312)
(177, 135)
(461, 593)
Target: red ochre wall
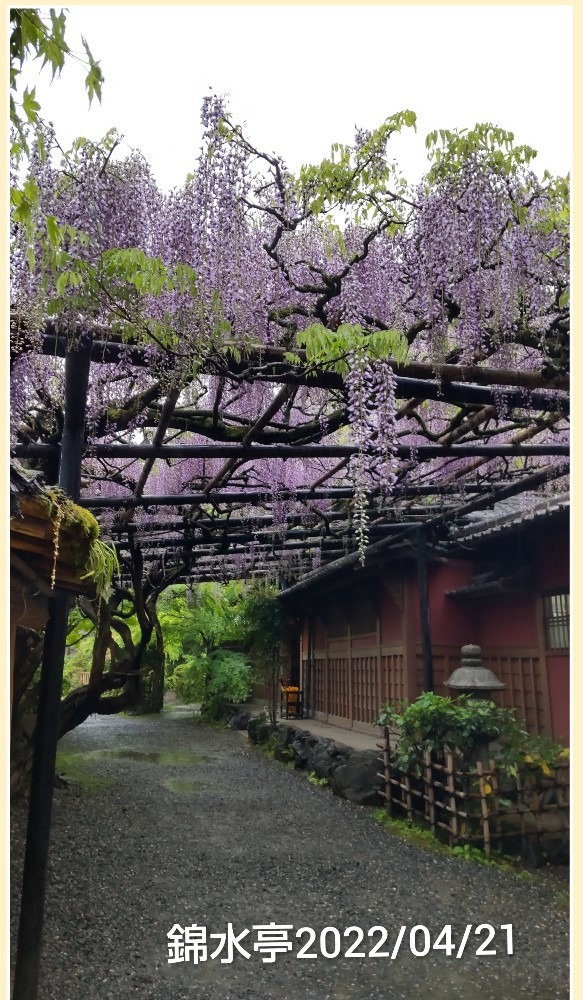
(558, 680)
(508, 628)
(552, 569)
(391, 612)
(509, 620)
(451, 621)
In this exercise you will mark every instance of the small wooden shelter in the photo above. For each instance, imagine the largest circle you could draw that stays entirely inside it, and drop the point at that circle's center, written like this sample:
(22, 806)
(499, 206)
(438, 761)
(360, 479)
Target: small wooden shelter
(51, 543)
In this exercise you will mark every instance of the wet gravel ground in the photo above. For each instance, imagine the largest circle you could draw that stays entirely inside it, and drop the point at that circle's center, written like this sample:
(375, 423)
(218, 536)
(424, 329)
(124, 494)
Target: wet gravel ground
(253, 842)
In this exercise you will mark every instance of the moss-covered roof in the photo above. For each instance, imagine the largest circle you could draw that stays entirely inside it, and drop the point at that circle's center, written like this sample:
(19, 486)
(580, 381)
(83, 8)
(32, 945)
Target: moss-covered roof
(55, 537)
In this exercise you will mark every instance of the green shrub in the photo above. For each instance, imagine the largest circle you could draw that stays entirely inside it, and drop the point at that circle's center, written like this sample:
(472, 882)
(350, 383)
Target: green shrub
(438, 724)
(464, 725)
(220, 676)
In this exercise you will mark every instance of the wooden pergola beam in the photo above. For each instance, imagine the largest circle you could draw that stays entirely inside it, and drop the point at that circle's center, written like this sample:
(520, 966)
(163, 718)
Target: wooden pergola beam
(423, 452)
(264, 355)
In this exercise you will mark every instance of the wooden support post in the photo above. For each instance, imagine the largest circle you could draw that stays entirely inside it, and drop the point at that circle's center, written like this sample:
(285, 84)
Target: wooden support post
(495, 808)
(484, 808)
(452, 801)
(45, 748)
(387, 763)
(378, 697)
(309, 669)
(295, 662)
(350, 678)
(424, 609)
(326, 705)
(430, 799)
(408, 800)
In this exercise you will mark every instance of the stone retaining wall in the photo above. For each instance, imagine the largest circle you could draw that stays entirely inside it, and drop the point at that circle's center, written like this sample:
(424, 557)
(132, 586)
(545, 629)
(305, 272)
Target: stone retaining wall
(351, 774)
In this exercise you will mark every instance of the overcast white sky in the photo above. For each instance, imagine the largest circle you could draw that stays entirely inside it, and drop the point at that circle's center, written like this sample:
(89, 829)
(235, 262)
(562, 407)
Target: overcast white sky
(303, 77)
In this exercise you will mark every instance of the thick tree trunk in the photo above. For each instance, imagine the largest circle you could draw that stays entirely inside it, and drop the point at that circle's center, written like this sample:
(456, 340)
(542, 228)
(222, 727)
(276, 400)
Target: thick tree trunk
(157, 664)
(85, 701)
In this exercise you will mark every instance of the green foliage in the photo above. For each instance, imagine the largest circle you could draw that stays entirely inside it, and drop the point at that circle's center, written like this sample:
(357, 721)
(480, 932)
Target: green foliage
(101, 566)
(313, 779)
(34, 34)
(222, 674)
(408, 831)
(556, 213)
(229, 676)
(200, 619)
(463, 725)
(330, 348)
(265, 625)
(423, 837)
(539, 753)
(195, 625)
(485, 145)
(436, 724)
(80, 638)
(469, 853)
(122, 280)
(73, 664)
(273, 743)
(354, 176)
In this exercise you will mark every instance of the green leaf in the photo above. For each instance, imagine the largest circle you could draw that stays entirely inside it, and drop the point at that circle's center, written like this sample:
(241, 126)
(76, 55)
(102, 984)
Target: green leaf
(30, 105)
(93, 82)
(62, 282)
(53, 231)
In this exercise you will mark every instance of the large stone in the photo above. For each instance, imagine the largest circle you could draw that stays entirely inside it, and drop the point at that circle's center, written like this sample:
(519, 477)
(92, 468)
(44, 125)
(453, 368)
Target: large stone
(358, 779)
(302, 744)
(287, 735)
(240, 721)
(555, 836)
(325, 757)
(257, 729)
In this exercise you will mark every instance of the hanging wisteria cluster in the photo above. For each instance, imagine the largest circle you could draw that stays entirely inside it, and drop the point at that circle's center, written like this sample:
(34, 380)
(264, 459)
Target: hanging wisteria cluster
(372, 413)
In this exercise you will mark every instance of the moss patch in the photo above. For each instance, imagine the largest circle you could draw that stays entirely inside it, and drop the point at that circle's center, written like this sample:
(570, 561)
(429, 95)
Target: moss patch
(412, 834)
(424, 838)
(73, 517)
(78, 768)
(178, 758)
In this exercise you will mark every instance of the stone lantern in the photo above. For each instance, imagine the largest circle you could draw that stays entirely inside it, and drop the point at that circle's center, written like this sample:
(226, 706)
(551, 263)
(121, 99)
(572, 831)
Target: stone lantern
(472, 678)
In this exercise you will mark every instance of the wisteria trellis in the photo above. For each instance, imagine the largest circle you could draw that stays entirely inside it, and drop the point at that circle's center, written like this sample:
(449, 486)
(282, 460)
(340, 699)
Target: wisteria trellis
(208, 291)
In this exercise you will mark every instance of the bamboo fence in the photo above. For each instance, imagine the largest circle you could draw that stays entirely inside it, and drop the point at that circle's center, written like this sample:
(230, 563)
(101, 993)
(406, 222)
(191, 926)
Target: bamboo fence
(477, 804)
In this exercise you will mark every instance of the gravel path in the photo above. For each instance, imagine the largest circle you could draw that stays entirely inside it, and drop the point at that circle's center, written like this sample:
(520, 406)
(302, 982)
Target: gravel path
(254, 842)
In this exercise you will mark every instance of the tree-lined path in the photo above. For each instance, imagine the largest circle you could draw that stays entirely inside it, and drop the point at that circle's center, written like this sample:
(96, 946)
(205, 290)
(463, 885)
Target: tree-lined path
(211, 832)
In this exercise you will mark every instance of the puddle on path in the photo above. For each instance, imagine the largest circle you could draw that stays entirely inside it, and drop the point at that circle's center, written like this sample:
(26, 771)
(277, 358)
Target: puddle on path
(168, 757)
(183, 786)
